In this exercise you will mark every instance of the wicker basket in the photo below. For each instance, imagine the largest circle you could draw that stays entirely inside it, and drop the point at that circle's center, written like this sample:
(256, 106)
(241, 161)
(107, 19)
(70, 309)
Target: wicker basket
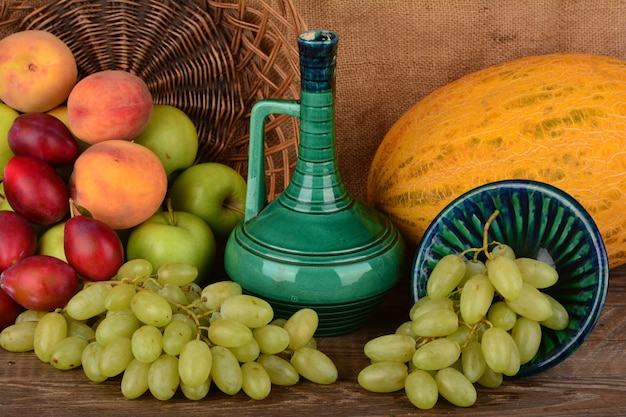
(211, 59)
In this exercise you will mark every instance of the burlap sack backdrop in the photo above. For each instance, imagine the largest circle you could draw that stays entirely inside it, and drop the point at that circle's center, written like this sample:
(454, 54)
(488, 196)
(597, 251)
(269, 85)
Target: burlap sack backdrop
(394, 52)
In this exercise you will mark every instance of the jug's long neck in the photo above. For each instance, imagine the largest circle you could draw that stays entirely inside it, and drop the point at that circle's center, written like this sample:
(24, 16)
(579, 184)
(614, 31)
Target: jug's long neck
(316, 184)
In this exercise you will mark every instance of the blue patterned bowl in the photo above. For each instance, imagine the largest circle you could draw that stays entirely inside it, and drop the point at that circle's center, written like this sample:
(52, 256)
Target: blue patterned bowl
(536, 220)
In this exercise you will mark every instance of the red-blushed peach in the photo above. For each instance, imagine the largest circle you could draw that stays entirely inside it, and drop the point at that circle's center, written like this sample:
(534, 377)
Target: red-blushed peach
(109, 105)
(37, 71)
(119, 182)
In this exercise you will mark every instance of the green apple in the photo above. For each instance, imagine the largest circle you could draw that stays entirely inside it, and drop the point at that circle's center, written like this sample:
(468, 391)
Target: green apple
(172, 136)
(7, 116)
(51, 242)
(174, 236)
(4, 203)
(212, 191)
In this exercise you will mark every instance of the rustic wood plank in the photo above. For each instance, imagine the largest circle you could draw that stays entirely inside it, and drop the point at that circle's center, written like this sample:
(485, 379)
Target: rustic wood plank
(592, 382)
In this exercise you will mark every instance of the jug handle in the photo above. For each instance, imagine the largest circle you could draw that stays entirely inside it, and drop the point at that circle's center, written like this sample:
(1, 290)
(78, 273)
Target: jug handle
(256, 193)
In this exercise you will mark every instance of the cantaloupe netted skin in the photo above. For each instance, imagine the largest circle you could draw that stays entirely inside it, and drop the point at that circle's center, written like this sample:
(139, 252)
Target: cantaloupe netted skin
(558, 118)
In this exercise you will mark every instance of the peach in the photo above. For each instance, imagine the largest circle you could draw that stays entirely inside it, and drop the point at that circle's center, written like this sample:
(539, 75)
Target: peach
(108, 105)
(37, 71)
(119, 182)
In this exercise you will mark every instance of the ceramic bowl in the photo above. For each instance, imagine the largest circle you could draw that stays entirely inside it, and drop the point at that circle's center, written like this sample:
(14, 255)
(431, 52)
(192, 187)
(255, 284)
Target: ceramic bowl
(540, 221)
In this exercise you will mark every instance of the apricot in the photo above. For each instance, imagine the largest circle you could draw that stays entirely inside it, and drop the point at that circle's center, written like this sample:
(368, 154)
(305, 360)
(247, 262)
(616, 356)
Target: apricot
(120, 183)
(37, 71)
(109, 105)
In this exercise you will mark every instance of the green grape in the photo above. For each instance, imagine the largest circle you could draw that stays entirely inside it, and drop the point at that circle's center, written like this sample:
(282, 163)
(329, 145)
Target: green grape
(312, 343)
(134, 268)
(194, 363)
(390, 347)
(427, 304)
(177, 273)
(532, 304)
(225, 370)
(248, 310)
(502, 249)
(175, 335)
(68, 352)
(559, 320)
(213, 294)
(196, 393)
(301, 327)
(256, 381)
(281, 371)
(147, 343)
(537, 273)
(527, 336)
(280, 322)
(271, 338)
(314, 365)
(88, 302)
(229, 333)
(90, 361)
(383, 376)
(119, 297)
(514, 360)
(476, 298)
(405, 328)
(115, 356)
(175, 296)
(163, 379)
(462, 335)
(121, 323)
(505, 277)
(455, 387)
(490, 379)
(421, 389)
(501, 315)
(436, 323)
(18, 337)
(185, 318)
(248, 352)
(80, 328)
(473, 267)
(50, 330)
(135, 379)
(473, 362)
(150, 285)
(151, 308)
(496, 346)
(192, 292)
(30, 315)
(436, 354)
(445, 276)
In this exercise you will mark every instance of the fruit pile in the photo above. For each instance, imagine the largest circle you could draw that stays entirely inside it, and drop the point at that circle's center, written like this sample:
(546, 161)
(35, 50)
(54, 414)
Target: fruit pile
(162, 332)
(479, 321)
(94, 174)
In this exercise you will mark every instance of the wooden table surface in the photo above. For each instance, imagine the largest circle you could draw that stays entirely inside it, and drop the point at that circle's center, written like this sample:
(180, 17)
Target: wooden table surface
(591, 382)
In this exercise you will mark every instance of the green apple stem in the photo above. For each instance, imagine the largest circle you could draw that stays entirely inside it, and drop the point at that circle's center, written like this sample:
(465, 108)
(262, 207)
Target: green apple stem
(233, 208)
(170, 210)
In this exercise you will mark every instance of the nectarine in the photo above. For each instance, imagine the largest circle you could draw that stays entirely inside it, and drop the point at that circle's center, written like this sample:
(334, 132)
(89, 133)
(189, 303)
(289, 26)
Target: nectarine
(120, 183)
(37, 71)
(108, 105)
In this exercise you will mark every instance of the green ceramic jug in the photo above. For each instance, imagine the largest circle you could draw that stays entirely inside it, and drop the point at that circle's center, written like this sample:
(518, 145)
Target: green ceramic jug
(314, 245)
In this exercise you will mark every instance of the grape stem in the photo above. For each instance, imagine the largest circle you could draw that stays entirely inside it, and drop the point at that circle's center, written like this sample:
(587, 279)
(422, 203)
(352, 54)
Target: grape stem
(486, 243)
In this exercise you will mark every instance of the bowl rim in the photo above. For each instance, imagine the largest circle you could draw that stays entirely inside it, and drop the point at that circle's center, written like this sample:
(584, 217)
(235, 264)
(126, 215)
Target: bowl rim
(571, 204)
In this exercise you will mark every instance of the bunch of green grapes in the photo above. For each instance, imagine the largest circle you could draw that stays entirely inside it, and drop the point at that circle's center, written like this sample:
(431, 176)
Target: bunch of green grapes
(163, 333)
(478, 322)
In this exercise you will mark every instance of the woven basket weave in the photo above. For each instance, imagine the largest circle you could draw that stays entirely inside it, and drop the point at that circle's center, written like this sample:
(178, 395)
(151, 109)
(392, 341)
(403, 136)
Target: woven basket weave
(211, 59)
